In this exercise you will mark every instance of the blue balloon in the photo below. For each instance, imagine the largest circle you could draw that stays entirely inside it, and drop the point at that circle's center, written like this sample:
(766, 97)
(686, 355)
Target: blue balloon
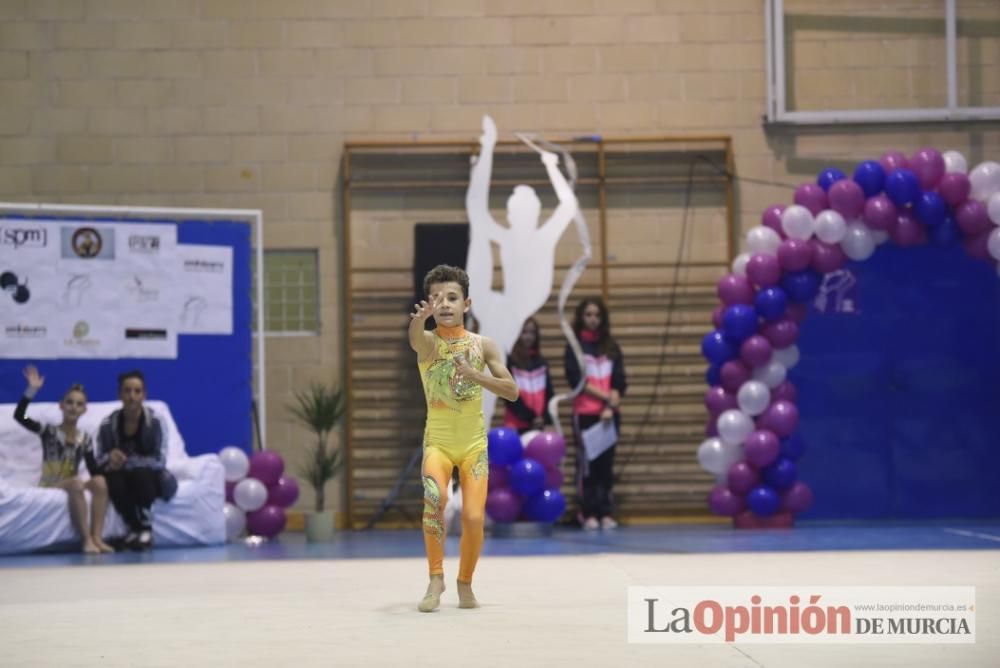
(931, 209)
(504, 446)
(763, 501)
(793, 447)
(546, 506)
(527, 477)
(828, 177)
(801, 286)
(946, 233)
(717, 349)
(781, 474)
(771, 303)
(902, 187)
(870, 176)
(739, 322)
(713, 376)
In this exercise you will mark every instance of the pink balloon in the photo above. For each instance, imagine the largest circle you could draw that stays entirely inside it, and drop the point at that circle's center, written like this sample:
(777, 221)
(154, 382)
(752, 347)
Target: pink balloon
(722, 501)
(908, 230)
(756, 351)
(796, 313)
(711, 428)
(499, 477)
(764, 270)
(742, 477)
(283, 493)
(503, 505)
(847, 198)
(266, 466)
(547, 448)
(812, 197)
(734, 373)
(772, 218)
(553, 478)
(827, 257)
(795, 254)
(718, 400)
(735, 289)
(781, 333)
(973, 218)
(269, 521)
(230, 486)
(977, 246)
(717, 316)
(928, 165)
(880, 213)
(954, 188)
(781, 417)
(785, 392)
(892, 160)
(762, 448)
(798, 498)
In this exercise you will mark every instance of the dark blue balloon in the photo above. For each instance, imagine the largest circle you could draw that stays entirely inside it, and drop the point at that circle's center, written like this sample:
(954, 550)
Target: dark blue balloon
(739, 322)
(763, 501)
(713, 376)
(801, 286)
(946, 233)
(902, 187)
(504, 446)
(717, 349)
(793, 447)
(771, 303)
(870, 176)
(527, 477)
(781, 474)
(828, 177)
(931, 209)
(546, 506)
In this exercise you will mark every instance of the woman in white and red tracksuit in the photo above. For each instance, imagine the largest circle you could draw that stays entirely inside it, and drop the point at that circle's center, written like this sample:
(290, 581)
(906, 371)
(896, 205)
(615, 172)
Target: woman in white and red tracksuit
(600, 400)
(531, 373)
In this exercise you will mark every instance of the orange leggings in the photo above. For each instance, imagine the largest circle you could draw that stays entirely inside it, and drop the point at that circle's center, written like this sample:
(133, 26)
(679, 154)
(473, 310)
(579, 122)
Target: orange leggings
(473, 468)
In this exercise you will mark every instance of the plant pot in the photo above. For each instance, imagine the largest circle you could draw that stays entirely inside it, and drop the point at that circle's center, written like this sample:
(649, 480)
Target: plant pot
(319, 527)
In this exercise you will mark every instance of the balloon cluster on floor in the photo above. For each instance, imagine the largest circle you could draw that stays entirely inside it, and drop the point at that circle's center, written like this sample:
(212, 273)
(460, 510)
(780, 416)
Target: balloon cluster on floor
(525, 476)
(752, 447)
(257, 493)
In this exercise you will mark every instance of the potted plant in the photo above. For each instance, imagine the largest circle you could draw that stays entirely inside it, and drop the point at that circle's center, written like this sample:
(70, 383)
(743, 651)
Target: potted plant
(319, 408)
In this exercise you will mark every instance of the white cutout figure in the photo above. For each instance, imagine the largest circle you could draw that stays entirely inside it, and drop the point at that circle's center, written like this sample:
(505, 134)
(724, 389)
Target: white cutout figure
(527, 249)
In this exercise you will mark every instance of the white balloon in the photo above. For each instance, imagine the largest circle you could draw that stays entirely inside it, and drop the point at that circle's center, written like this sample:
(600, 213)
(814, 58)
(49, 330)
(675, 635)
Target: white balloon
(771, 374)
(830, 226)
(740, 264)
(734, 426)
(994, 243)
(788, 357)
(797, 222)
(762, 239)
(528, 436)
(858, 243)
(236, 521)
(716, 457)
(880, 237)
(993, 208)
(753, 397)
(954, 163)
(250, 494)
(235, 463)
(985, 179)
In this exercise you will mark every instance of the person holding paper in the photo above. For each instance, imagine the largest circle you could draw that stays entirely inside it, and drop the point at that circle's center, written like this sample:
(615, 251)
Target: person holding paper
(596, 411)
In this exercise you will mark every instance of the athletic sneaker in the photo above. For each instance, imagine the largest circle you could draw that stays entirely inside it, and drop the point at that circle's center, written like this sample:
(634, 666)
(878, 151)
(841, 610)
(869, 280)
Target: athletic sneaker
(591, 524)
(608, 523)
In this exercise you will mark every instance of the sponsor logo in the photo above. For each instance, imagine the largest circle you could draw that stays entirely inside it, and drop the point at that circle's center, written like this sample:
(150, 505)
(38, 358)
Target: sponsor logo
(88, 243)
(14, 286)
(141, 292)
(145, 334)
(33, 237)
(204, 266)
(25, 331)
(80, 332)
(138, 243)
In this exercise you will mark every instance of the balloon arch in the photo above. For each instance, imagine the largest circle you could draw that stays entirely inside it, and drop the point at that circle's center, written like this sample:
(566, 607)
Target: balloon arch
(752, 444)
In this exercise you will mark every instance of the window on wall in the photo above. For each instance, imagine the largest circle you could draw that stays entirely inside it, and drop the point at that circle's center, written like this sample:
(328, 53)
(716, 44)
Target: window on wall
(291, 292)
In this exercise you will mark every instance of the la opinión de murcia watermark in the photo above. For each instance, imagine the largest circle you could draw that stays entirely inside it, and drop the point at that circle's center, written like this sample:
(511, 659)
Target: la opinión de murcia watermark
(788, 615)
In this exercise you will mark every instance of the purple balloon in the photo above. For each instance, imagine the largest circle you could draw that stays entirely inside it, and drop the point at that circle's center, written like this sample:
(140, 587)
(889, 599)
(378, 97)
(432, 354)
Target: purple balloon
(908, 231)
(711, 428)
(812, 197)
(503, 505)
(954, 188)
(781, 417)
(722, 501)
(269, 521)
(742, 477)
(734, 374)
(717, 315)
(781, 333)
(973, 218)
(756, 351)
(772, 218)
(928, 165)
(785, 392)
(880, 212)
(230, 486)
(892, 160)
(798, 498)
(499, 477)
(283, 493)
(735, 289)
(553, 478)
(795, 254)
(827, 257)
(763, 270)
(548, 448)
(762, 448)
(847, 198)
(796, 313)
(266, 466)
(718, 400)
(978, 246)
